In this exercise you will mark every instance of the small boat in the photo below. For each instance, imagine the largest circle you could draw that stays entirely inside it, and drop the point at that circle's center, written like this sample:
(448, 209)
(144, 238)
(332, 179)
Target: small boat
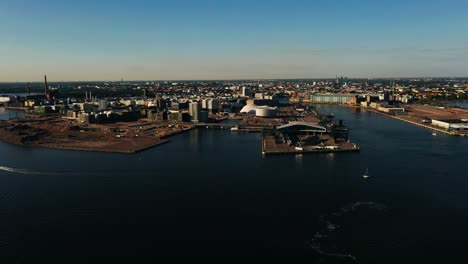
(366, 175)
(434, 133)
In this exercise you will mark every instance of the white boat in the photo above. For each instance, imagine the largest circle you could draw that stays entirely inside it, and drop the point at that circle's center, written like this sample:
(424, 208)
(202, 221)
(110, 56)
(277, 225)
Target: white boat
(365, 176)
(434, 133)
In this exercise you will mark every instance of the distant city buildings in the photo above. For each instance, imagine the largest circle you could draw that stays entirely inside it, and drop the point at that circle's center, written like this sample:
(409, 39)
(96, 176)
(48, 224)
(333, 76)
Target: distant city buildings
(201, 101)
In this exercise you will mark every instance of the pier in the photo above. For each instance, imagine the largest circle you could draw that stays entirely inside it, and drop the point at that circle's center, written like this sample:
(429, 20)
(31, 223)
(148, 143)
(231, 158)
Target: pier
(238, 127)
(431, 127)
(302, 137)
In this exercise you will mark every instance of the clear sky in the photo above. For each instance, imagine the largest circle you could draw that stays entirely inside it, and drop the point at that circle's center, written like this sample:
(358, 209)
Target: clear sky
(235, 39)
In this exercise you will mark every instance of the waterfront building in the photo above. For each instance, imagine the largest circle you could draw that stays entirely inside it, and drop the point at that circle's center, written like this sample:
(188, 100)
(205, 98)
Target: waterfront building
(178, 116)
(203, 116)
(212, 104)
(204, 104)
(391, 110)
(458, 125)
(301, 128)
(265, 111)
(372, 98)
(249, 109)
(259, 111)
(332, 98)
(194, 111)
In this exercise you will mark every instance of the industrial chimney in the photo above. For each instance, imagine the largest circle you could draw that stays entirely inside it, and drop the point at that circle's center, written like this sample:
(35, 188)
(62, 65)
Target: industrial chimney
(46, 86)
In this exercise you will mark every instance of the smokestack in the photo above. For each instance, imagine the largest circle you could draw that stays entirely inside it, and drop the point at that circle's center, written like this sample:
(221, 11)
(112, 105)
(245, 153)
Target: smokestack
(86, 95)
(46, 86)
(29, 88)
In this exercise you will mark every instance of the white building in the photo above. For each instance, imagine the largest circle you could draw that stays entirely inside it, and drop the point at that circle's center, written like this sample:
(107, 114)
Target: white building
(212, 104)
(5, 99)
(260, 111)
(460, 125)
(194, 111)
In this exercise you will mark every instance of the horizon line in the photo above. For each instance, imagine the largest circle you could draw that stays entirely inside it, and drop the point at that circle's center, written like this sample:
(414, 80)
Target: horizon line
(247, 79)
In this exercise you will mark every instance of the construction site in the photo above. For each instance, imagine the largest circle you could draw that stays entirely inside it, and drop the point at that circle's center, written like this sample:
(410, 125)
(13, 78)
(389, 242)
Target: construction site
(292, 129)
(59, 133)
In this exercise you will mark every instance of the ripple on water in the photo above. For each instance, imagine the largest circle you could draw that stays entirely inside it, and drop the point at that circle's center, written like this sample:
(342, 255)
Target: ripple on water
(323, 241)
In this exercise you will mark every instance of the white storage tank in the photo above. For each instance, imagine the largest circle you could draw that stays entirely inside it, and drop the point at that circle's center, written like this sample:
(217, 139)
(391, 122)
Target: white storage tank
(265, 111)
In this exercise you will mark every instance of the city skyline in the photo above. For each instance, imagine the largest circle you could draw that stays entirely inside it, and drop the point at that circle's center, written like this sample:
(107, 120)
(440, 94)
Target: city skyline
(213, 40)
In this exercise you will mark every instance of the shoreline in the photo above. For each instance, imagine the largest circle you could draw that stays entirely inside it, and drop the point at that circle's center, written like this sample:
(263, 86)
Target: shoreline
(267, 153)
(75, 148)
(51, 135)
(438, 129)
(435, 128)
(133, 151)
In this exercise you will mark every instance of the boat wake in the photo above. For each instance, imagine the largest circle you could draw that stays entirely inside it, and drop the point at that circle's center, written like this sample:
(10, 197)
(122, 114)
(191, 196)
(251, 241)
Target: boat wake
(324, 241)
(24, 171)
(79, 172)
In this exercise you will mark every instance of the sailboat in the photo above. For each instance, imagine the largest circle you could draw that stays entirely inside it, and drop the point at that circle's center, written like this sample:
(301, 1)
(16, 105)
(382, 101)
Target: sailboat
(366, 175)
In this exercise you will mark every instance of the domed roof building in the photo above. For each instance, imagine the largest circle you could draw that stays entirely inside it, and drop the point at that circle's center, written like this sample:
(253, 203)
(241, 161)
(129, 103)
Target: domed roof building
(260, 111)
(249, 109)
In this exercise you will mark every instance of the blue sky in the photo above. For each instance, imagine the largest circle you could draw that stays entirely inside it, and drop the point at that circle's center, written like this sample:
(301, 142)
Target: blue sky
(207, 39)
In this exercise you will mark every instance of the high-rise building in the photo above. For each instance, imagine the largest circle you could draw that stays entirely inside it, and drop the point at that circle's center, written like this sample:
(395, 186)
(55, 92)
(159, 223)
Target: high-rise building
(204, 104)
(246, 92)
(212, 104)
(194, 111)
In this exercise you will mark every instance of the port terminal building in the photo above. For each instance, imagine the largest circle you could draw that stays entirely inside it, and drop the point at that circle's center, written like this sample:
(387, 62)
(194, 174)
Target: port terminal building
(301, 128)
(458, 125)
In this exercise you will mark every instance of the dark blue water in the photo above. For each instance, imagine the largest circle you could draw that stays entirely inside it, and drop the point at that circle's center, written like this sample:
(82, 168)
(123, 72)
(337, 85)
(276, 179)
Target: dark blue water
(210, 192)
(10, 114)
(463, 105)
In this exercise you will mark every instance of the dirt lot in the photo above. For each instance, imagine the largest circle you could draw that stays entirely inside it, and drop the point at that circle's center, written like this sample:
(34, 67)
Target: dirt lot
(432, 112)
(65, 134)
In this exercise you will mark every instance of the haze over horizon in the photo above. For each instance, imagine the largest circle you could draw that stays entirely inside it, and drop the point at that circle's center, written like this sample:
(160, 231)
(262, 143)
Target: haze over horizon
(215, 40)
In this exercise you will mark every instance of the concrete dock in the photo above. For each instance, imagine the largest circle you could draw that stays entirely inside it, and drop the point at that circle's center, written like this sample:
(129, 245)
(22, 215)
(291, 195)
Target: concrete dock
(270, 146)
